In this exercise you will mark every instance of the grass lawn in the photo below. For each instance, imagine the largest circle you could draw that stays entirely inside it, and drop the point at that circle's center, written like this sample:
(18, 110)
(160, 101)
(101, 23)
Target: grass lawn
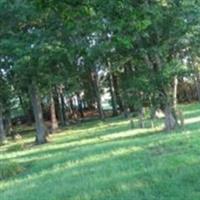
(107, 161)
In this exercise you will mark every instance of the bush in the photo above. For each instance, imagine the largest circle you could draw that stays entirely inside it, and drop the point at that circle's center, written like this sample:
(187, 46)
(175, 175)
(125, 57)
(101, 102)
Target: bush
(9, 169)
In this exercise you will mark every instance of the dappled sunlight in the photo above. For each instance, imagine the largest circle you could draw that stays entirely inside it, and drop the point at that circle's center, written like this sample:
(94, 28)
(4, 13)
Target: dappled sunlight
(191, 112)
(99, 170)
(81, 162)
(192, 120)
(76, 134)
(126, 134)
(78, 143)
(95, 158)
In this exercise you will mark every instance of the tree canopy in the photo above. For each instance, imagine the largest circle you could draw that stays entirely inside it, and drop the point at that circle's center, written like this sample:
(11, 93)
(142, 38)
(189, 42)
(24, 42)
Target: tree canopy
(59, 49)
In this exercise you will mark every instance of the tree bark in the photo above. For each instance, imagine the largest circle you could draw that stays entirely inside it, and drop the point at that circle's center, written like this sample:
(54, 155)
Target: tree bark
(196, 77)
(61, 106)
(80, 105)
(175, 92)
(113, 96)
(8, 124)
(169, 110)
(112, 92)
(54, 121)
(38, 115)
(197, 83)
(97, 94)
(170, 119)
(117, 93)
(2, 130)
(141, 118)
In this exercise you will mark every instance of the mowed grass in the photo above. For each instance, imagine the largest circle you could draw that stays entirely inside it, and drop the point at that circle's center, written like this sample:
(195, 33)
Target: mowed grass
(108, 161)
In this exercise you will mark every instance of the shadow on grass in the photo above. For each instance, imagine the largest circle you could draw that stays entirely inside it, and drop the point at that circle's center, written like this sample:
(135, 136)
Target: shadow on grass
(109, 135)
(106, 172)
(96, 142)
(192, 114)
(49, 158)
(113, 162)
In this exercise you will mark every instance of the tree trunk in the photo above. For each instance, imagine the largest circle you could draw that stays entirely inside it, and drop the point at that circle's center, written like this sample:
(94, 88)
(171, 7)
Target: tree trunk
(112, 92)
(113, 97)
(141, 118)
(61, 117)
(117, 93)
(8, 124)
(99, 104)
(2, 130)
(71, 106)
(197, 84)
(97, 94)
(22, 104)
(196, 77)
(152, 115)
(170, 119)
(175, 92)
(169, 111)
(80, 105)
(61, 105)
(38, 115)
(63, 108)
(54, 121)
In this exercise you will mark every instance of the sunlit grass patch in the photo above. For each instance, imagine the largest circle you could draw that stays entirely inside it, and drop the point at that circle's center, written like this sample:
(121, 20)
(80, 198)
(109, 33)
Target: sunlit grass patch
(17, 147)
(108, 160)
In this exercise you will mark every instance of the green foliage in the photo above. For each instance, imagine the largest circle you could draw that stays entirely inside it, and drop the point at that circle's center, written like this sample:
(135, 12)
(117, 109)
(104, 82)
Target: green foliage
(63, 43)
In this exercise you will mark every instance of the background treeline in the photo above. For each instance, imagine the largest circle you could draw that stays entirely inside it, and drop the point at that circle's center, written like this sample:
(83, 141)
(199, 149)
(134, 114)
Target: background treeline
(58, 57)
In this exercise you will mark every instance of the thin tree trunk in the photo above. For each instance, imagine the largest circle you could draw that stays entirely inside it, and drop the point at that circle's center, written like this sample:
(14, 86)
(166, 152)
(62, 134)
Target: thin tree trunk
(117, 93)
(2, 130)
(197, 84)
(71, 106)
(61, 117)
(196, 77)
(8, 124)
(152, 115)
(112, 92)
(61, 105)
(99, 104)
(113, 96)
(22, 104)
(97, 94)
(141, 118)
(63, 108)
(38, 115)
(175, 92)
(126, 110)
(80, 105)
(54, 121)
